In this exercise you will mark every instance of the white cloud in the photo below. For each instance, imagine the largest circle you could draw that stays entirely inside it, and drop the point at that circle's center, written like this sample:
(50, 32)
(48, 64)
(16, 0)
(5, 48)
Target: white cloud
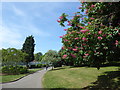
(9, 37)
(18, 11)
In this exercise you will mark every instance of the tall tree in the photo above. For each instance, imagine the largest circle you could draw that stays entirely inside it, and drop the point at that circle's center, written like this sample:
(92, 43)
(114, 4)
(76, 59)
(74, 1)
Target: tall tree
(28, 47)
(12, 56)
(93, 35)
(38, 56)
(51, 57)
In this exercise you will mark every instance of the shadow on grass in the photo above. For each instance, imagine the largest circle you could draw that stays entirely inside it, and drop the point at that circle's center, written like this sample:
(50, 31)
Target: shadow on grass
(109, 81)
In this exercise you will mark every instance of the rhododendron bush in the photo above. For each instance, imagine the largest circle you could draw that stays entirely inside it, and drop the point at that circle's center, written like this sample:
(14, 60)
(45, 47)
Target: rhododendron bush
(93, 37)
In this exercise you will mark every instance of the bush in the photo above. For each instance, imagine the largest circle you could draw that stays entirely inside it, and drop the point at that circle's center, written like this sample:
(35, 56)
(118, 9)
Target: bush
(39, 65)
(10, 69)
(36, 66)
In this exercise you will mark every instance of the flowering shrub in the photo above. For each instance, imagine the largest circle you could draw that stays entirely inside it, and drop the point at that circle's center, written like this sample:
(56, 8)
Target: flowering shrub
(91, 40)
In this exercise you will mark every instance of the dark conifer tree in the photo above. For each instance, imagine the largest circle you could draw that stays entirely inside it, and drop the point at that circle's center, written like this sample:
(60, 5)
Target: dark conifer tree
(28, 47)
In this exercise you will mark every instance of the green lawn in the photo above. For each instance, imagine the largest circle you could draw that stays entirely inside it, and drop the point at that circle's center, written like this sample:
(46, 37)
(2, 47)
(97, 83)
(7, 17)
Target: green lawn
(82, 77)
(8, 78)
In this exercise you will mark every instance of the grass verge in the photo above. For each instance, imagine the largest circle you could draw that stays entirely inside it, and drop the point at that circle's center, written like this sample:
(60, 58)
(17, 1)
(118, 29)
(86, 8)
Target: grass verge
(9, 78)
(82, 77)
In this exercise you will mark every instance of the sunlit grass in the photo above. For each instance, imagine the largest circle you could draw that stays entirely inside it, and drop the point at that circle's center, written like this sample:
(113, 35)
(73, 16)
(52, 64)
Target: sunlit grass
(8, 78)
(73, 77)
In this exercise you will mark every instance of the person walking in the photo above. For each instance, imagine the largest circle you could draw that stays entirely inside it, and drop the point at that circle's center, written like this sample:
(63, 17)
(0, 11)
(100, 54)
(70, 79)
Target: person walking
(46, 66)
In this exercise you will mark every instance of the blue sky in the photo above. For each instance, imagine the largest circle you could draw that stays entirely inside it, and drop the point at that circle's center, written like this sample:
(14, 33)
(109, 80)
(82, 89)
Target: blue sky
(39, 19)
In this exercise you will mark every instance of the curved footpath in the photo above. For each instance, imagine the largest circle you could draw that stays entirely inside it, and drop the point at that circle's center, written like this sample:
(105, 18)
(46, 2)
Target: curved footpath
(31, 81)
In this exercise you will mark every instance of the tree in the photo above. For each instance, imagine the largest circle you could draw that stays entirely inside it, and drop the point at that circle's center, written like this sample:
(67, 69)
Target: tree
(38, 56)
(51, 57)
(28, 47)
(92, 38)
(12, 56)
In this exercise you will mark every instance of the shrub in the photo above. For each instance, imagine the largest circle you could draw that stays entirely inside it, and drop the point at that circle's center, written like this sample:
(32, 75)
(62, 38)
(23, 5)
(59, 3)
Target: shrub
(39, 65)
(17, 69)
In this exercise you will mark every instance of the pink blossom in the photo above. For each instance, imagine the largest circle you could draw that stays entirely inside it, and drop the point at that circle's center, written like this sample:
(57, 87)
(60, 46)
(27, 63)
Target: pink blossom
(84, 31)
(73, 56)
(83, 44)
(86, 54)
(104, 35)
(82, 27)
(66, 40)
(79, 7)
(99, 38)
(62, 47)
(116, 42)
(119, 34)
(61, 36)
(65, 29)
(89, 22)
(76, 38)
(92, 18)
(58, 21)
(69, 24)
(69, 32)
(86, 11)
(74, 49)
(89, 33)
(61, 17)
(110, 34)
(64, 56)
(92, 6)
(100, 32)
(69, 47)
(84, 39)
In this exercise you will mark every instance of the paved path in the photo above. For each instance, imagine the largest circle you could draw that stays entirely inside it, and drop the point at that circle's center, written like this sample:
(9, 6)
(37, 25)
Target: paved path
(31, 81)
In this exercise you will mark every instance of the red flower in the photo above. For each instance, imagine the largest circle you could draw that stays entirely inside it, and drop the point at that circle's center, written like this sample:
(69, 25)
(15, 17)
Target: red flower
(84, 39)
(84, 31)
(92, 18)
(73, 56)
(60, 36)
(100, 32)
(64, 56)
(116, 42)
(104, 35)
(62, 47)
(82, 27)
(74, 49)
(65, 29)
(99, 38)
(86, 11)
(76, 38)
(89, 22)
(58, 21)
(66, 40)
(92, 6)
(86, 54)
(89, 33)
(61, 17)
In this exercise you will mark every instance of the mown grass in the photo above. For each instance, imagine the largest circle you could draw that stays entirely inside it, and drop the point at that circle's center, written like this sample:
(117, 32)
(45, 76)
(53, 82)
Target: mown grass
(8, 78)
(78, 77)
